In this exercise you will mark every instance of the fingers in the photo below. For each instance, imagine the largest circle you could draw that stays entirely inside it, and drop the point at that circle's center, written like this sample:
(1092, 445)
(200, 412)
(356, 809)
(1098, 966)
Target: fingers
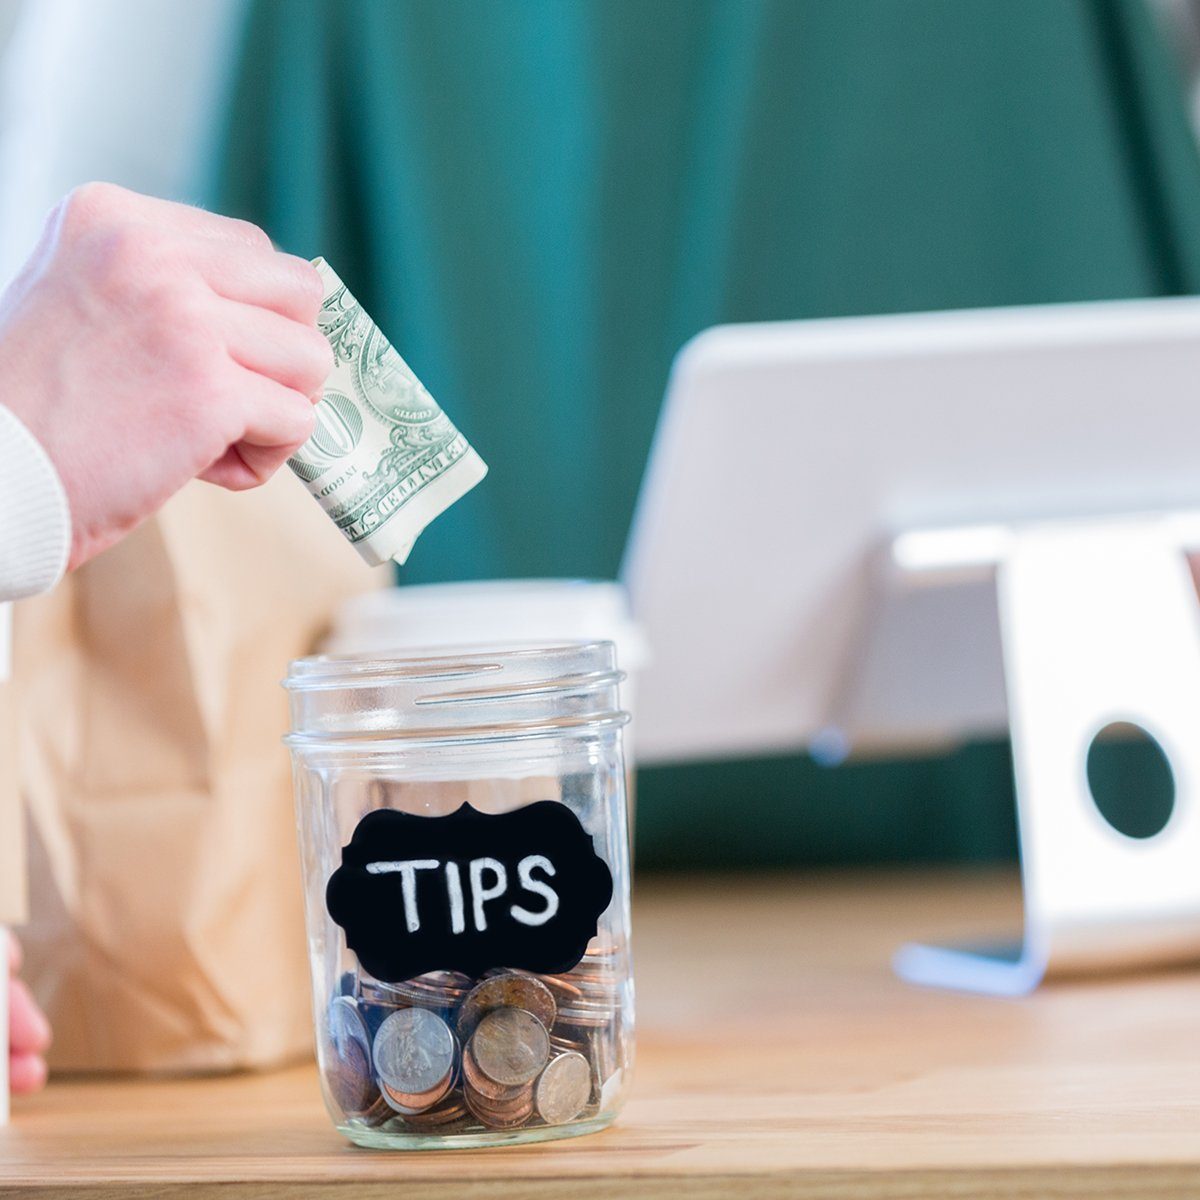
(282, 283)
(295, 355)
(231, 472)
(244, 466)
(28, 1032)
(93, 205)
(275, 421)
(26, 1073)
(28, 1029)
(280, 365)
(273, 414)
(206, 224)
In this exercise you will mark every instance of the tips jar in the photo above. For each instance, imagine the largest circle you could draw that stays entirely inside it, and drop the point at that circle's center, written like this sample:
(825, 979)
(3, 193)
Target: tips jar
(463, 838)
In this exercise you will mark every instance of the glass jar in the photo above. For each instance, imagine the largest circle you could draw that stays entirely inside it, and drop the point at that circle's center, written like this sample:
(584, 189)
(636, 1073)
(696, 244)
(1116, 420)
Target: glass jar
(498, 612)
(465, 856)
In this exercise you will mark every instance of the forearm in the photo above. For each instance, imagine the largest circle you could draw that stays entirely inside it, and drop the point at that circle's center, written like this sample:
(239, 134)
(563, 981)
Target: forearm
(35, 521)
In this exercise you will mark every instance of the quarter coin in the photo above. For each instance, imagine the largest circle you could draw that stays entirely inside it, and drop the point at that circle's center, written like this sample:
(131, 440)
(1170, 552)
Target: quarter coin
(413, 1051)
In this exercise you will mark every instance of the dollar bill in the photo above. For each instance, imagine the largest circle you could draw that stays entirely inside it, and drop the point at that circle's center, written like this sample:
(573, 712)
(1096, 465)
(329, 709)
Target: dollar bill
(383, 460)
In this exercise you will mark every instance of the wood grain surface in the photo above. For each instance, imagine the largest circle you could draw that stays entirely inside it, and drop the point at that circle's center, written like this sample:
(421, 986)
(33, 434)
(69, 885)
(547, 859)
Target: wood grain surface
(777, 1057)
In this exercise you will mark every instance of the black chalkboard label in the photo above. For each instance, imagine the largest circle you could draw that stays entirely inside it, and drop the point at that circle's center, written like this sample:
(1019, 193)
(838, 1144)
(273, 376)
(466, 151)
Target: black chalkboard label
(469, 891)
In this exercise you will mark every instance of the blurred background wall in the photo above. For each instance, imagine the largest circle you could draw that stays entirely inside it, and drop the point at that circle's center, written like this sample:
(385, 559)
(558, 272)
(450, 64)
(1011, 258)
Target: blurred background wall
(541, 201)
(124, 90)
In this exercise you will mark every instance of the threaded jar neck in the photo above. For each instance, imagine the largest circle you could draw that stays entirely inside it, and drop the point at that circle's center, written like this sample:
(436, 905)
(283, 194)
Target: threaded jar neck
(455, 696)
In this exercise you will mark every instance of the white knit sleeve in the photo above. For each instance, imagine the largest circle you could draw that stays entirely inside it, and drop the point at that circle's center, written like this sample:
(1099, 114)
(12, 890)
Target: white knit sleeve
(35, 521)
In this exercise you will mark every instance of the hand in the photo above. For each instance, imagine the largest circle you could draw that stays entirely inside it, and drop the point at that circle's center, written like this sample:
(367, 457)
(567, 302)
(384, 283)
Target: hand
(28, 1030)
(146, 343)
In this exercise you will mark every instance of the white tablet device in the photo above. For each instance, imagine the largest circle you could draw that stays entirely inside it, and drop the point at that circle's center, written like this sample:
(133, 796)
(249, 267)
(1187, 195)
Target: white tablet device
(790, 454)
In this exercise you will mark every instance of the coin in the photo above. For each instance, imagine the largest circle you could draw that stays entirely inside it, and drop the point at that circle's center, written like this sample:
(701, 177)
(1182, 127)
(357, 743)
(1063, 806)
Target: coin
(442, 991)
(520, 1098)
(379, 1113)
(563, 990)
(413, 1051)
(374, 1014)
(592, 1000)
(511, 1045)
(345, 1023)
(442, 985)
(563, 1088)
(349, 1066)
(409, 1103)
(586, 1018)
(507, 1116)
(501, 1111)
(349, 1076)
(561, 1044)
(497, 1121)
(488, 1089)
(508, 990)
(451, 1110)
(602, 1054)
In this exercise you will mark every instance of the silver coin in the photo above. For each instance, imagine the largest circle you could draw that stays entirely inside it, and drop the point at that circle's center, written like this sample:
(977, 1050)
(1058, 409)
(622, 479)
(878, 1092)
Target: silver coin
(563, 1088)
(484, 1087)
(413, 1051)
(510, 1046)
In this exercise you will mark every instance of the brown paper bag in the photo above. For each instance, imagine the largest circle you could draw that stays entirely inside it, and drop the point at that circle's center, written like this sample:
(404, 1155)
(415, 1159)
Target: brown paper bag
(166, 927)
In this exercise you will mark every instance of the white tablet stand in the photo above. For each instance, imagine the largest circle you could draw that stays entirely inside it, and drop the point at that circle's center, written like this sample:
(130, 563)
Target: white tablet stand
(1099, 623)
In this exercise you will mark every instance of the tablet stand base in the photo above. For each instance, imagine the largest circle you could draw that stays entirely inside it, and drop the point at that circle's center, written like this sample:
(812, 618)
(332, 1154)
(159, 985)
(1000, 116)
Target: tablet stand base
(1099, 624)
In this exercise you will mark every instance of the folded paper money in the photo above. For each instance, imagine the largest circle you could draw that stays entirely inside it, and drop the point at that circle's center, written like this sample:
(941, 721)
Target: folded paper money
(384, 460)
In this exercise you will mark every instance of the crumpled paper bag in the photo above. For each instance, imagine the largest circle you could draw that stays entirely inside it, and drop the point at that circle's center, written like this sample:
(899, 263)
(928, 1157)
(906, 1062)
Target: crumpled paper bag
(166, 927)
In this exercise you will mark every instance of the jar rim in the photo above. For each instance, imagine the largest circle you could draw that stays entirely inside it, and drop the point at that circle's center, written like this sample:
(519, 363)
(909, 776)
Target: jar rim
(434, 662)
(469, 693)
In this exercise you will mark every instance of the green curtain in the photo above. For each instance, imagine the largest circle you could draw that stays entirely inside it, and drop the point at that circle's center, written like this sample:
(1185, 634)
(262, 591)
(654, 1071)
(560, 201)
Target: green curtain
(541, 200)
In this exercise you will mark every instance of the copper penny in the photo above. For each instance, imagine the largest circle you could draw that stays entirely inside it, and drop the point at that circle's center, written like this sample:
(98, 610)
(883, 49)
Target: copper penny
(523, 1097)
(408, 1103)
(510, 990)
(348, 1062)
(506, 1118)
(452, 1109)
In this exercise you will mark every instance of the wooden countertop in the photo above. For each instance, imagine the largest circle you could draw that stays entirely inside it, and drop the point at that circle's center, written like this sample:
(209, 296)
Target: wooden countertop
(777, 1056)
